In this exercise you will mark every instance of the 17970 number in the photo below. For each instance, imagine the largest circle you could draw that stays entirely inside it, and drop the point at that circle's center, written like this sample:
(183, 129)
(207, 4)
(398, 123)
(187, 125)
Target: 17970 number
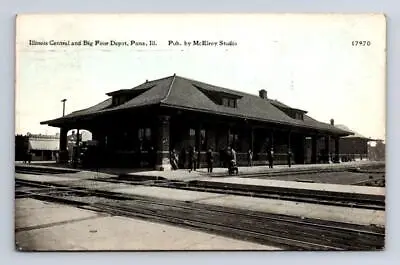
(361, 43)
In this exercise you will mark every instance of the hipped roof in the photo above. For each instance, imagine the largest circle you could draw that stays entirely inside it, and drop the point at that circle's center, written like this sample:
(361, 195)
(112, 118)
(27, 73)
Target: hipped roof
(355, 134)
(183, 93)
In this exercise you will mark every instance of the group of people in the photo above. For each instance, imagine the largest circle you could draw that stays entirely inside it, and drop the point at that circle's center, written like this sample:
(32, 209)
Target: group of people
(179, 161)
(228, 157)
(270, 157)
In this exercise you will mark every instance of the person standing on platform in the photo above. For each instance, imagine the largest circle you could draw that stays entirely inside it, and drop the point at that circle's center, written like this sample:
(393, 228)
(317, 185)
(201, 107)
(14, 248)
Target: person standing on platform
(232, 163)
(250, 158)
(271, 158)
(210, 160)
(192, 159)
(174, 159)
(227, 156)
(196, 160)
(233, 152)
(221, 157)
(289, 158)
(182, 158)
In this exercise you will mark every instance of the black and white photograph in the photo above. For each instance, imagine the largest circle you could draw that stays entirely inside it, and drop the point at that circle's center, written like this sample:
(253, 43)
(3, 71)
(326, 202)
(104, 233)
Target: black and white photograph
(194, 132)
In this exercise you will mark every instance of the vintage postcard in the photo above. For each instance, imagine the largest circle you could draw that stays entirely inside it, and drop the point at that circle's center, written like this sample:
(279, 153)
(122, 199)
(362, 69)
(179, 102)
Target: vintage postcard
(200, 132)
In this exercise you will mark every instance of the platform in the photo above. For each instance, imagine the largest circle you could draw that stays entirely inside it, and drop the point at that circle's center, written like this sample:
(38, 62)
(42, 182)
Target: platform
(45, 226)
(336, 188)
(184, 174)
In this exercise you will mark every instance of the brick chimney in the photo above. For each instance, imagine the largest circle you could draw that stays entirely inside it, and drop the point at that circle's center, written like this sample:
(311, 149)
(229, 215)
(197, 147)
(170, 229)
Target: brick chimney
(332, 122)
(263, 94)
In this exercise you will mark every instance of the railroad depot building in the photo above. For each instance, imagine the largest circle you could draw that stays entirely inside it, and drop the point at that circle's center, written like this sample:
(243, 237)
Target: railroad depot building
(139, 127)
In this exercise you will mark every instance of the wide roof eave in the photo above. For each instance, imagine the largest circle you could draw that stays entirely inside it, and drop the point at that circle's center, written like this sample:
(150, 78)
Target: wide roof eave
(335, 131)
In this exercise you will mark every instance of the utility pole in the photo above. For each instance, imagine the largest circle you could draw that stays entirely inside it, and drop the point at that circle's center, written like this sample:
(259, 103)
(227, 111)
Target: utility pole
(63, 101)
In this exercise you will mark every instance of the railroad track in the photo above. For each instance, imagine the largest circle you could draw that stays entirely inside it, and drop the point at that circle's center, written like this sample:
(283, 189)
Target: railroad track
(371, 182)
(286, 232)
(43, 170)
(325, 198)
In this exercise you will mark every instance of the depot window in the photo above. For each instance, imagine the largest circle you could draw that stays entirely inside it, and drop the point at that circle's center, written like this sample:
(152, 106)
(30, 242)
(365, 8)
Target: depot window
(229, 102)
(147, 133)
(203, 140)
(144, 133)
(234, 141)
(299, 116)
(141, 133)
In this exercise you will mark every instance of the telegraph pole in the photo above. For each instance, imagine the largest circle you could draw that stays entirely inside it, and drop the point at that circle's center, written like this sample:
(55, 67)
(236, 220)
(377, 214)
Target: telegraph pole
(63, 101)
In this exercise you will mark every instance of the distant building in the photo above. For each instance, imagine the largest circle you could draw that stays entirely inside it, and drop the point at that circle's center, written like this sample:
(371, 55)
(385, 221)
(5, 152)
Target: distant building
(41, 147)
(354, 147)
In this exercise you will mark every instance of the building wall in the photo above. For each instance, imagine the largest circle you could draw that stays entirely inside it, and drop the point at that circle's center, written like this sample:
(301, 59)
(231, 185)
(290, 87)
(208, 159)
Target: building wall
(349, 148)
(217, 137)
(43, 155)
(353, 148)
(321, 155)
(119, 144)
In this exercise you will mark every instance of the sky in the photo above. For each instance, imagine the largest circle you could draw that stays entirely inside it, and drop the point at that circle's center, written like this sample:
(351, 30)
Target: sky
(306, 61)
